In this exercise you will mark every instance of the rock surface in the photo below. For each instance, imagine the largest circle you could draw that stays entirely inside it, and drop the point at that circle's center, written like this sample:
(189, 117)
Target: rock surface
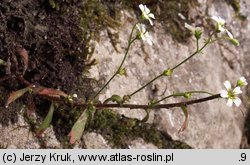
(211, 124)
(18, 136)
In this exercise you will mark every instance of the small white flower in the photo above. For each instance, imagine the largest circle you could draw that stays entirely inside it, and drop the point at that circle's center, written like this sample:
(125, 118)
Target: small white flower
(197, 31)
(219, 23)
(74, 95)
(146, 13)
(231, 94)
(143, 34)
(242, 82)
(232, 39)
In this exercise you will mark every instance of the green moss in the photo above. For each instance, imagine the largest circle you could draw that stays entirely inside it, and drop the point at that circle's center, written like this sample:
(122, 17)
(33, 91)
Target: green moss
(235, 5)
(95, 17)
(167, 12)
(119, 130)
(98, 15)
(53, 4)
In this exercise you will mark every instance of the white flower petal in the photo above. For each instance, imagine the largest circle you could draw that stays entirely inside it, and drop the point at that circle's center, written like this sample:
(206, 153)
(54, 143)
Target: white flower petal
(143, 34)
(141, 7)
(151, 15)
(237, 90)
(229, 34)
(141, 28)
(143, 37)
(243, 79)
(227, 84)
(224, 93)
(147, 11)
(219, 23)
(150, 21)
(237, 101)
(216, 18)
(189, 27)
(221, 29)
(230, 102)
(221, 20)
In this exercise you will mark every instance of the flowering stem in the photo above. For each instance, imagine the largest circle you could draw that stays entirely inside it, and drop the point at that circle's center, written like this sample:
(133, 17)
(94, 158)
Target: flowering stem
(172, 69)
(135, 106)
(130, 41)
(181, 94)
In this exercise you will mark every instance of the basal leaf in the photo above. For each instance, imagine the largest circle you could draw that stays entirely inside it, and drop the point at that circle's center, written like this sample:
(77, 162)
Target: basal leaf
(49, 92)
(79, 126)
(16, 94)
(46, 122)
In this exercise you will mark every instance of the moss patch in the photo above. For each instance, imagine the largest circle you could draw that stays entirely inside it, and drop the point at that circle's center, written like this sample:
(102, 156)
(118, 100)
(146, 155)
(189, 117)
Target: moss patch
(119, 130)
(235, 5)
(167, 12)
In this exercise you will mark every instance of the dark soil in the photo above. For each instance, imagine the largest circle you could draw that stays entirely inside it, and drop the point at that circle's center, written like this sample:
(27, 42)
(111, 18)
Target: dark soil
(56, 47)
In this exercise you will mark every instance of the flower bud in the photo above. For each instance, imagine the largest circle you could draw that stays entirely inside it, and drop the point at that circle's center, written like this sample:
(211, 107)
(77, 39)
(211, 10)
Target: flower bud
(234, 41)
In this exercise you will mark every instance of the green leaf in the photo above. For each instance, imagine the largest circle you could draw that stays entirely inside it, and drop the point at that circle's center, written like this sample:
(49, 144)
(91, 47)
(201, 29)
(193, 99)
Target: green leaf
(117, 99)
(114, 98)
(79, 126)
(145, 119)
(185, 123)
(16, 94)
(46, 122)
(43, 91)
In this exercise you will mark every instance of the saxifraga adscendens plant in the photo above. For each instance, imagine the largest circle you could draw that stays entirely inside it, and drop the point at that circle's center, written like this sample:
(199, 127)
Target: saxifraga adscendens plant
(138, 32)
